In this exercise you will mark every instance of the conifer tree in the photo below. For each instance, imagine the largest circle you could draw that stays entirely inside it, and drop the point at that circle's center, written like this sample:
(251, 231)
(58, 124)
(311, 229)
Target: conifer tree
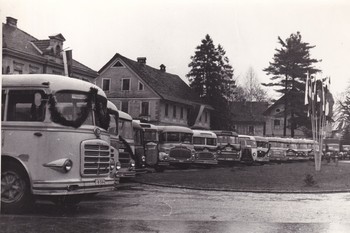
(289, 69)
(211, 78)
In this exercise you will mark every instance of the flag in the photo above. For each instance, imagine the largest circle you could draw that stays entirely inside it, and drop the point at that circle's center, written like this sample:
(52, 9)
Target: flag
(306, 99)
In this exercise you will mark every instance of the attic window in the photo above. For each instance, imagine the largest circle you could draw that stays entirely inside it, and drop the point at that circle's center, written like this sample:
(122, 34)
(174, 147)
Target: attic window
(118, 64)
(278, 110)
(141, 86)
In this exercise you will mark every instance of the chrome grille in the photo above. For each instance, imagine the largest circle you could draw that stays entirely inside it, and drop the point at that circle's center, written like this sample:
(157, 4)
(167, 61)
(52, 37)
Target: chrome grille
(96, 157)
(180, 153)
(226, 155)
(205, 155)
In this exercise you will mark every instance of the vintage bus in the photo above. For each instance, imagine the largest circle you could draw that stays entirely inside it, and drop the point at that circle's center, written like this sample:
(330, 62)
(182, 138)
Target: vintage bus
(121, 140)
(263, 148)
(331, 148)
(229, 148)
(249, 149)
(176, 145)
(305, 149)
(54, 140)
(278, 148)
(205, 145)
(292, 149)
(140, 159)
(151, 140)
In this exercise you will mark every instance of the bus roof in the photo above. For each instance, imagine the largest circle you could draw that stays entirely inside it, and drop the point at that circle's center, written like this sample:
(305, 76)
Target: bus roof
(246, 136)
(124, 116)
(277, 139)
(225, 133)
(136, 125)
(179, 129)
(203, 133)
(148, 126)
(53, 82)
(112, 106)
(261, 139)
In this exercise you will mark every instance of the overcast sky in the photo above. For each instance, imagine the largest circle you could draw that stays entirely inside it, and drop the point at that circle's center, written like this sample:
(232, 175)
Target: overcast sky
(167, 32)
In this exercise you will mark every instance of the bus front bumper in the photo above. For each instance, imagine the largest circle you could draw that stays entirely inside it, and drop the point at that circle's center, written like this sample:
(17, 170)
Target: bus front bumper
(93, 185)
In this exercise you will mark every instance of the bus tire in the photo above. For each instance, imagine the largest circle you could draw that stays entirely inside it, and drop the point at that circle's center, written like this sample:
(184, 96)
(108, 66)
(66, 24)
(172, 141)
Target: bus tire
(16, 196)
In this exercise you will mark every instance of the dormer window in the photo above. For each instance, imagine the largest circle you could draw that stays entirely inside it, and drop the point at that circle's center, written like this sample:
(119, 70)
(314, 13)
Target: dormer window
(58, 50)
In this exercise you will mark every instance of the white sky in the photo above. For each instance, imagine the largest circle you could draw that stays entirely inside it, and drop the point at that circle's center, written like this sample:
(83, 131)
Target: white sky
(167, 32)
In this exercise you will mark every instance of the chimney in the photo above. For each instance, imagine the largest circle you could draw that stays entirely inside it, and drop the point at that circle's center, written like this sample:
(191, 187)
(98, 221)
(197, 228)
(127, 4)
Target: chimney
(11, 21)
(162, 67)
(141, 60)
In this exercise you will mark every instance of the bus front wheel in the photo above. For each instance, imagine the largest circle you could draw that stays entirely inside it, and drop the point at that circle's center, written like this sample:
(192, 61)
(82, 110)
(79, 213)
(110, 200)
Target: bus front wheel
(15, 189)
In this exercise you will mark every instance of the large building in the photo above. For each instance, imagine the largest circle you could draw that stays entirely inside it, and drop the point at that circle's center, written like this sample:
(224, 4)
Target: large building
(151, 94)
(24, 54)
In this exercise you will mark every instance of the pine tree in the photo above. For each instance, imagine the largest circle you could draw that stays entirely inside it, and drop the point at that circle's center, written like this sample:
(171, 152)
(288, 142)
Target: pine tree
(211, 78)
(289, 69)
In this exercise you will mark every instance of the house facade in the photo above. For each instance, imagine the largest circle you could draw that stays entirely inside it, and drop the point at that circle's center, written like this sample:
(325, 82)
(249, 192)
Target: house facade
(151, 94)
(247, 118)
(274, 117)
(24, 54)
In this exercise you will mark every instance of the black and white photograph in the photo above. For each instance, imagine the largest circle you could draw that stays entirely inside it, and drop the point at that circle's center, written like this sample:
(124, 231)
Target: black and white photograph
(175, 116)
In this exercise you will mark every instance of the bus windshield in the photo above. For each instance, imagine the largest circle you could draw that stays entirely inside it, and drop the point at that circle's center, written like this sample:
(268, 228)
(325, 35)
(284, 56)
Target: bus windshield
(150, 135)
(125, 129)
(176, 137)
(227, 139)
(262, 144)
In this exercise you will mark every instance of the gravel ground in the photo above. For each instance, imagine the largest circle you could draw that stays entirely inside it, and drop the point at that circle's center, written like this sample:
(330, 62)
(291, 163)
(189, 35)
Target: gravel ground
(285, 177)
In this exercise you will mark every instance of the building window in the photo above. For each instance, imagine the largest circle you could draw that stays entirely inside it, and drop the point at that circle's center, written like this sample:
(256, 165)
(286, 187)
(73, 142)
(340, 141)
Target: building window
(125, 106)
(118, 64)
(144, 108)
(106, 84)
(206, 116)
(166, 110)
(277, 122)
(33, 69)
(251, 129)
(57, 72)
(17, 68)
(182, 113)
(140, 86)
(174, 111)
(126, 84)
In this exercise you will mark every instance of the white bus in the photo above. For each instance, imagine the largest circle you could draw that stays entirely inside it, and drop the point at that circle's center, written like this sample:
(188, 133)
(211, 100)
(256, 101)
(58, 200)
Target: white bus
(249, 149)
(54, 140)
(263, 149)
(176, 145)
(205, 145)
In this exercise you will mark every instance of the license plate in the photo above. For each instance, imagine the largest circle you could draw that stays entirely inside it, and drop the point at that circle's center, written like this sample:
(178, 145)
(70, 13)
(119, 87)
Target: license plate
(100, 181)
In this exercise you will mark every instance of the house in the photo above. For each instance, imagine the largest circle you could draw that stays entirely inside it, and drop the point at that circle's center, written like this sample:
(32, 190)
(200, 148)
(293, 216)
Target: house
(24, 54)
(247, 117)
(274, 116)
(151, 94)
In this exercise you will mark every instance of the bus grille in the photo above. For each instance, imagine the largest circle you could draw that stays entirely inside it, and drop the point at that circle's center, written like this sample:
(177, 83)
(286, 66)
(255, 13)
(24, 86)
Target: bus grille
(96, 159)
(205, 155)
(124, 159)
(180, 153)
(228, 155)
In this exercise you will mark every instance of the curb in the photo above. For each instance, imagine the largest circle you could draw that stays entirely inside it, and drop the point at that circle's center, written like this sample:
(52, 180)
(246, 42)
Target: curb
(246, 190)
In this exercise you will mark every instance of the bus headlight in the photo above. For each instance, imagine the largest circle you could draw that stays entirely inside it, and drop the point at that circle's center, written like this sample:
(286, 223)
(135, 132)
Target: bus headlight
(111, 164)
(67, 166)
(163, 156)
(143, 158)
(118, 165)
(132, 163)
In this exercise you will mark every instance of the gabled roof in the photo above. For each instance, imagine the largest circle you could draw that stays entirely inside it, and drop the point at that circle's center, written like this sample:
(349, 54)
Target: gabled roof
(168, 86)
(18, 40)
(248, 112)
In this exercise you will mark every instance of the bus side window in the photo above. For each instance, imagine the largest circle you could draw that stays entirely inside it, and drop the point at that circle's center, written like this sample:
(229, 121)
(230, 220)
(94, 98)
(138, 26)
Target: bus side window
(21, 106)
(3, 101)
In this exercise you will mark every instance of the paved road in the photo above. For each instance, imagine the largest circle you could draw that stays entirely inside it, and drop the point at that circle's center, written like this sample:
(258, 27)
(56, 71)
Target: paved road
(143, 208)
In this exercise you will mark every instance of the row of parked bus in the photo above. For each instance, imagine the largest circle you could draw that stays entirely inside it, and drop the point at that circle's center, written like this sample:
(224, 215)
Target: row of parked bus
(148, 145)
(62, 139)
